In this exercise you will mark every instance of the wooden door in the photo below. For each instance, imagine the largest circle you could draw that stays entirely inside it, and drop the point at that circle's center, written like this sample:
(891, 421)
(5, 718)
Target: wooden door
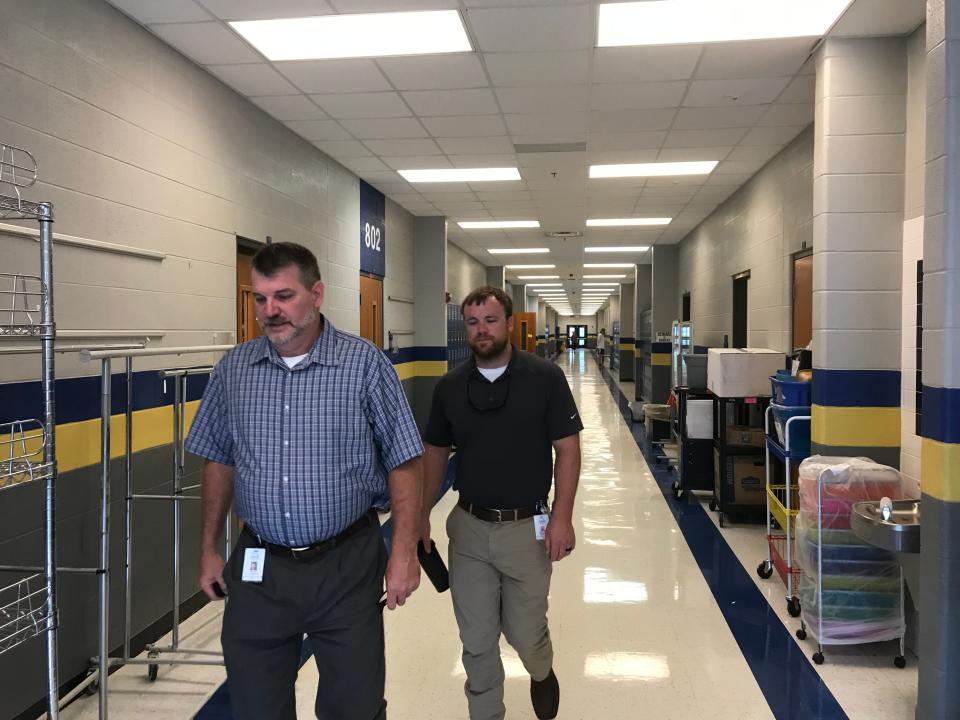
(247, 327)
(525, 331)
(802, 301)
(371, 309)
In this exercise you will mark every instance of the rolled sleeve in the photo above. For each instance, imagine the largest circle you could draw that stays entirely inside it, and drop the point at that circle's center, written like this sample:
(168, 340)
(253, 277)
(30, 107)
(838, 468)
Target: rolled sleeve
(394, 429)
(210, 436)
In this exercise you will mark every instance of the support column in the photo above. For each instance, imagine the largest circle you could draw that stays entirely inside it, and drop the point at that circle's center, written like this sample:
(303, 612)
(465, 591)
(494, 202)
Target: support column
(541, 326)
(665, 309)
(428, 362)
(627, 324)
(939, 692)
(496, 276)
(519, 298)
(858, 244)
(643, 291)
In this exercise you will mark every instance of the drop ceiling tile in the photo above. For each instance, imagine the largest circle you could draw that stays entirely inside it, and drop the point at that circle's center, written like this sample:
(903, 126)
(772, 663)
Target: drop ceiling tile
(364, 164)
(636, 96)
(503, 196)
(645, 64)
(416, 162)
(208, 43)
(728, 167)
(427, 188)
(384, 128)
(602, 142)
(623, 121)
(343, 148)
(759, 58)
(316, 130)
(801, 90)
(712, 118)
(146, 12)
(398, 187)
(477, 161)
(434, 72)
(791, 114)
(383, 177)
(693, 154)
(538, 69)
(723, 137)
(569, 98)
(727, 180)
(615, 157)
(289, 107)
(465, 126)
(476, 146)
(454, 209)
(536, 124)
(259, 10)
(363, 105)
(334, 76)
(734, 93)
(528, 29)
(778, 135)
(254, 79)
(499, 186)
(479, 101)
(447, 198)
(757, 153)
(371, 6)
(404, 146)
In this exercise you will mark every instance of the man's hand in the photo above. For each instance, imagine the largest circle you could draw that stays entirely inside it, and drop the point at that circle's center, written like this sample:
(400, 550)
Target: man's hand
(211, 572)
(560, 538)
(403, 576)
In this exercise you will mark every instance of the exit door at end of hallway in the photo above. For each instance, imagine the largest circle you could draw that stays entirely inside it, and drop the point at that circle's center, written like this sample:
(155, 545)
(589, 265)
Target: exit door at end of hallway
(576, 336)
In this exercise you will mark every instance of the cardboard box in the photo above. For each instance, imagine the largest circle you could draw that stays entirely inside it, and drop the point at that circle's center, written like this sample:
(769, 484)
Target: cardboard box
(742, 373)
(745, 436)
(743, 479)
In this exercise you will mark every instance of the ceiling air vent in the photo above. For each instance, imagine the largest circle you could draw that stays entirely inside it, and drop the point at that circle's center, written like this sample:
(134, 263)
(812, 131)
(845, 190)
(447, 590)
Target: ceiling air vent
(564, 234)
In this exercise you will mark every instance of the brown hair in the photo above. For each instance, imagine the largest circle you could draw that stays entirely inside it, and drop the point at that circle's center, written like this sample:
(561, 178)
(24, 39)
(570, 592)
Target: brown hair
(276, 256)
(482, 294)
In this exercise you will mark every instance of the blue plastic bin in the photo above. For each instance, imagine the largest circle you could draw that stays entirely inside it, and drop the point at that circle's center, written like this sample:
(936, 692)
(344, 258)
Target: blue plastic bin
(789, 391)
(799, 430)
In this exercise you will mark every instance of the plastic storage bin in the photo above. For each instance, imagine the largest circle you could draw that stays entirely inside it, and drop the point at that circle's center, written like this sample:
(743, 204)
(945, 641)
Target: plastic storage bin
(799, 431)
(696, 371)
(789, 391)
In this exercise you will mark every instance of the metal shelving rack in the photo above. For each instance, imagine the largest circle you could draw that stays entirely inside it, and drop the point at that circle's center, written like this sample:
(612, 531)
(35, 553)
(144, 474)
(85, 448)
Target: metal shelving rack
(28, 606)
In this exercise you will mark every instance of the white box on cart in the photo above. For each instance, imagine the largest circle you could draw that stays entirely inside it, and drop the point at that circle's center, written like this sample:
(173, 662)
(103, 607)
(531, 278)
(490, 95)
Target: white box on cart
(742, 372)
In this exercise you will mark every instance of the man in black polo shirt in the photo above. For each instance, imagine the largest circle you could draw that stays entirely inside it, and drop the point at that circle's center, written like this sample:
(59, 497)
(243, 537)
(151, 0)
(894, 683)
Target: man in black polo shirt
(506, 411)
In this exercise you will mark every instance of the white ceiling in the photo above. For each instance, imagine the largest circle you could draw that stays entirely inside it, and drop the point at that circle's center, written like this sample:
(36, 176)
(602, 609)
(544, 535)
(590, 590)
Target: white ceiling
(534, 78)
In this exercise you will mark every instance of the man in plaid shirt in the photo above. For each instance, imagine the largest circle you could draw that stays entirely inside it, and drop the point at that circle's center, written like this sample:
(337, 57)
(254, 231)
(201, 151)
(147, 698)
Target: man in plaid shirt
(303, 429)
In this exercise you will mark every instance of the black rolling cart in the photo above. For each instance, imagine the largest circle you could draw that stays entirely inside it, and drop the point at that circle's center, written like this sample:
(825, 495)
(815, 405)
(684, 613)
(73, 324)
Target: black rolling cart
(695, 466)
(739, 448)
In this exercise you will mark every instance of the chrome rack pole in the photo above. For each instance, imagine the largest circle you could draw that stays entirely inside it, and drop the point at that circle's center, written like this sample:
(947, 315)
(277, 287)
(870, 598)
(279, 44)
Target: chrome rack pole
(49, 456)
(128, 490)
(103, 659)
(177, 492)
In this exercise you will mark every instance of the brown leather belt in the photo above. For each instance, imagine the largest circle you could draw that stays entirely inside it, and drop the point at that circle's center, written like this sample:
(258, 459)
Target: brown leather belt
(494, 515)
(306, 553)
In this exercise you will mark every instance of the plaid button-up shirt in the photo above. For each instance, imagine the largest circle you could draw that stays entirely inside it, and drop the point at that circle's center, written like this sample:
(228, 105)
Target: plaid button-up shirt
(311, 446)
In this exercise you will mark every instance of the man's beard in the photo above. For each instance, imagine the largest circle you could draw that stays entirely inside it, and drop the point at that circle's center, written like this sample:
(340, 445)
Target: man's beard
(496, 347)
(293, 333)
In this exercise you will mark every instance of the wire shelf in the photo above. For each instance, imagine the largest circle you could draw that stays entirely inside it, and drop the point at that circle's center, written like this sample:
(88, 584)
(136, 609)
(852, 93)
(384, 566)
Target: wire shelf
(23, 611)
(17, 166)
(14, 207)
(21, 305)
(21, 453)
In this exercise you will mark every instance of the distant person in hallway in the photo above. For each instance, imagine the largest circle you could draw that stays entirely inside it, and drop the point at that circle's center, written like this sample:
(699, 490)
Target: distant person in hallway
(601, 344)
(304, 428)
(506, 411)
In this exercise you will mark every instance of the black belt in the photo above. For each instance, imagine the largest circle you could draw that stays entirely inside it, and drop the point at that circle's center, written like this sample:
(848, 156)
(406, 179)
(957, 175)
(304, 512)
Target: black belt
(311, 551)
(494, 515)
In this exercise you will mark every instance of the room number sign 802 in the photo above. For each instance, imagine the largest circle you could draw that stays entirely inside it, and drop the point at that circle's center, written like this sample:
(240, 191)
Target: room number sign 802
(372, 236)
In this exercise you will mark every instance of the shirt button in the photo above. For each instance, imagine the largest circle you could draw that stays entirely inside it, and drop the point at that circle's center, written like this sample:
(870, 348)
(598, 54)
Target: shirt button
(286, 479)
(287, 514)
(286, 407)
(286, 443)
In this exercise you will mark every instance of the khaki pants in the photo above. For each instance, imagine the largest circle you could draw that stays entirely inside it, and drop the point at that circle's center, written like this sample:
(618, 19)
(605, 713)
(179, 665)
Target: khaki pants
(499, 580)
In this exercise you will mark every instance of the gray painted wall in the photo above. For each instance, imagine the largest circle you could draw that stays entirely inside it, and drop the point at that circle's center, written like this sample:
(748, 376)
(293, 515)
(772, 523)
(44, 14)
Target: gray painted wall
(915, 174)
(398, 283)
(756, 229)
(463, 273)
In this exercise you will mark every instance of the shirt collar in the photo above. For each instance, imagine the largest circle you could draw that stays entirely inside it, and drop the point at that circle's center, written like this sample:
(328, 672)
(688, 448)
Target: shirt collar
(322, 352)
(475, 369)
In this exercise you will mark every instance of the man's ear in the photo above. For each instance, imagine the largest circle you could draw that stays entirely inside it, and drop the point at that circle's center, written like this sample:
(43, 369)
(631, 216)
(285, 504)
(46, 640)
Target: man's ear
(318, 291)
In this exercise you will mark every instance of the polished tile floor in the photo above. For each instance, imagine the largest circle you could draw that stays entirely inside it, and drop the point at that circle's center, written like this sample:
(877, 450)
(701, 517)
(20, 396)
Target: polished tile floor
(644, 616)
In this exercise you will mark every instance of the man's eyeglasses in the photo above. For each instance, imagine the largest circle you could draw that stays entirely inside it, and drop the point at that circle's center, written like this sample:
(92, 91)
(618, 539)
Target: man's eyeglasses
(485, 396)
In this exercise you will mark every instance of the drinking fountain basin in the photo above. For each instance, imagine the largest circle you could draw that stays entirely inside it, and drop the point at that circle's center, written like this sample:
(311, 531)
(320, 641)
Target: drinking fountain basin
(893, 525)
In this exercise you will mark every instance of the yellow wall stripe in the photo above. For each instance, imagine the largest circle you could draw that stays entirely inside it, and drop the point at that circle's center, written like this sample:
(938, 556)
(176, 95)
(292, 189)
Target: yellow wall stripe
(855, 426)
(940, 463)
(626, 347)
(660, 359)
(421, 368)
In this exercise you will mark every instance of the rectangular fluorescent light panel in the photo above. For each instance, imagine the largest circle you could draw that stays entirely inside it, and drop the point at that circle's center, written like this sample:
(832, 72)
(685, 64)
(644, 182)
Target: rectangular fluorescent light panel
(627, 222)
(680, 22)
(539, 285)
(530, 267)
(450, 175)
(538, 277)
(608, 265)
(602, 277)
(498, 224)
(354, 36)
(614, 249)
(664, 169)
(518, 251)
(610, 285)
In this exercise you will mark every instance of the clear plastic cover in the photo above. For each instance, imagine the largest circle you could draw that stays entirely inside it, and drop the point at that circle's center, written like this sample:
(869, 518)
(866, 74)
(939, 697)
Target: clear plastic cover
(850, 591)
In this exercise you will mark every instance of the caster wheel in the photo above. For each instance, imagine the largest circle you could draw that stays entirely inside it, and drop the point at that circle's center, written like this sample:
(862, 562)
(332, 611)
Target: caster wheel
(721, 520)
(900, 661)
(713, 504)
(93, 688)
(677, 490)
(152, 672)
(801, 634)
(765, 569)
(793, 607)
(818, 658)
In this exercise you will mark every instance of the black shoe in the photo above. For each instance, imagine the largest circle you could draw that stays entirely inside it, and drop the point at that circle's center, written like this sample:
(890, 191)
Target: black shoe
(545, 696)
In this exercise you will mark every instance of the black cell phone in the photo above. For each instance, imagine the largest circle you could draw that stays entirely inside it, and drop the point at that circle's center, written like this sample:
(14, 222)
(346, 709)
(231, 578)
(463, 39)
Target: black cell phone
(433, 566)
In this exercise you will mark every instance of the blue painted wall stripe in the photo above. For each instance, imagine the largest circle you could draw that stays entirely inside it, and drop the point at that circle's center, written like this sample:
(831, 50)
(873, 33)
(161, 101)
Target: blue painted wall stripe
(856, 388)
(661, 347)
(940, 416)
(417, 352)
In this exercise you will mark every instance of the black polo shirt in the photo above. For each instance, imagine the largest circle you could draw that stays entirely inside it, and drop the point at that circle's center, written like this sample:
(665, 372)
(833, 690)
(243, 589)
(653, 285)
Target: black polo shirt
(503, 430)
